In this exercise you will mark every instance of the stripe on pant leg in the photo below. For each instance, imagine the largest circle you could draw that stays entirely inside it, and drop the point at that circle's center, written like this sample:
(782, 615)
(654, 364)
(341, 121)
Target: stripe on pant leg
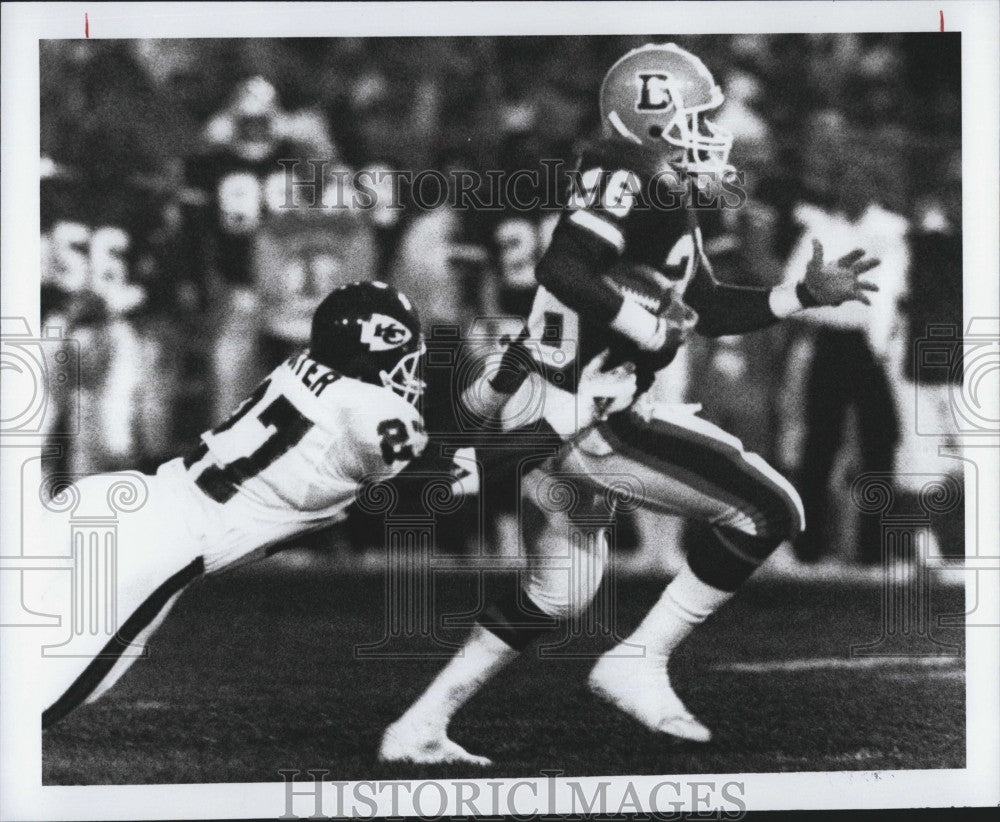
(787, 497)
(690, 498)
(715, 462)
(123, 663)
(693, 481)
(774, 476)
(102, 664)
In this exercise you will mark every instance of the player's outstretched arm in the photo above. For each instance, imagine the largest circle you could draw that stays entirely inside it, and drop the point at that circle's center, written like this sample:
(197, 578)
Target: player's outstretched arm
(830, 283)
(728, 309)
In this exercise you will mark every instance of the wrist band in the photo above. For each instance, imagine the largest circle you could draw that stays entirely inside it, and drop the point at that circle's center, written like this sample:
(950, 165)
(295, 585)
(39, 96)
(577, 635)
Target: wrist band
(635, 322)
(513, 369)
(783, 300)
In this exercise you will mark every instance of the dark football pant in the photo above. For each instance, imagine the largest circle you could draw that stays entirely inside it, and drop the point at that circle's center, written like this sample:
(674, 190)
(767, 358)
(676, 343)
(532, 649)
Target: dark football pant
(844, 372)
(689, 467)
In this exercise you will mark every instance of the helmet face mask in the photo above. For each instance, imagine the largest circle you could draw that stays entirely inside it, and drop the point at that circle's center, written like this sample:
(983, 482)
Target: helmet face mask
(706, 152)
(658, 94)
(403, 377)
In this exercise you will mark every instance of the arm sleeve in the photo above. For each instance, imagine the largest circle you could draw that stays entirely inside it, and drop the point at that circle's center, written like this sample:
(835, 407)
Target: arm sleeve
(572, 265)
(727, 309)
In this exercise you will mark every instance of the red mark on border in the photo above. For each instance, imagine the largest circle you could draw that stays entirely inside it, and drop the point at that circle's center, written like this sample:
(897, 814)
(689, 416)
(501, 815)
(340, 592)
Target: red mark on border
(86, 25)
(941, 13)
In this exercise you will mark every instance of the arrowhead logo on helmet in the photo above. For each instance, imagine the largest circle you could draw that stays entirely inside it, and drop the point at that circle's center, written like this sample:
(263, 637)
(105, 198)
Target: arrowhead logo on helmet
(382, 333)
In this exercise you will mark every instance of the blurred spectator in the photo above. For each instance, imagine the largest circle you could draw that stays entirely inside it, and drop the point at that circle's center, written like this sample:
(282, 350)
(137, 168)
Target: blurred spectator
(299, 256)
(244, 191)
(853, 363)
(514, 236)
(108, 249)
(933, 309)
(386, 215)
(434, 265)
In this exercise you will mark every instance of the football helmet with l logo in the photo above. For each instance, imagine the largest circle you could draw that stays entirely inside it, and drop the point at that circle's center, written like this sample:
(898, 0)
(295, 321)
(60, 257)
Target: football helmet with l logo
(658, 93)
(370, 332)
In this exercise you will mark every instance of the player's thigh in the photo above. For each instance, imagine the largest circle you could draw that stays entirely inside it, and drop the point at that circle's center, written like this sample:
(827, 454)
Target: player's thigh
(689, 467)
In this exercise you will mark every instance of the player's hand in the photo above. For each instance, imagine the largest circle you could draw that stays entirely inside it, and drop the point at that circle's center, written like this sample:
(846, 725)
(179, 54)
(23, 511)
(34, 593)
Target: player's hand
(508, 368)
(837, 282)
(680, 320)
(655, 332)
(603, 392)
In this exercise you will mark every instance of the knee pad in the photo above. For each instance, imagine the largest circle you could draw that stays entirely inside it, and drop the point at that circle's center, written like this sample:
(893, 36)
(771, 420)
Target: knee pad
(728, 558)
(566, 591)
(566, 560)
(514, 617)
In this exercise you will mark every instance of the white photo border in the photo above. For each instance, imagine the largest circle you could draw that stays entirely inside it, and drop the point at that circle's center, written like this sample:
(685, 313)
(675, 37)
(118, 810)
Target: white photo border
(21, 792)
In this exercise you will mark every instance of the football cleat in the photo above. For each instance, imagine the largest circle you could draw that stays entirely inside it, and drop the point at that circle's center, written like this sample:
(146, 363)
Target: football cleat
(640, 686)
(403, 743)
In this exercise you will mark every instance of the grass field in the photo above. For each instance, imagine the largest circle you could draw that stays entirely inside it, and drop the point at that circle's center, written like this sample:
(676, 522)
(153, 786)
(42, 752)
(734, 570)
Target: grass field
(255, 672)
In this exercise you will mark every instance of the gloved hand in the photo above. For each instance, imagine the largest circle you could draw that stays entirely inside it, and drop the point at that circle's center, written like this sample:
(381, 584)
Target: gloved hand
(606, 392)
(598, 394)
(836, 283)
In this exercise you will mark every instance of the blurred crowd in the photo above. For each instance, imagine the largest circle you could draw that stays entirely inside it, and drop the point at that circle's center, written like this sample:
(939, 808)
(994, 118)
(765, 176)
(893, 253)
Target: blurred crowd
(169, 254)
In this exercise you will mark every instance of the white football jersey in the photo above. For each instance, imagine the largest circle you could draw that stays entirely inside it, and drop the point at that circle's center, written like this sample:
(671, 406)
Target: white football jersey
(290, 458)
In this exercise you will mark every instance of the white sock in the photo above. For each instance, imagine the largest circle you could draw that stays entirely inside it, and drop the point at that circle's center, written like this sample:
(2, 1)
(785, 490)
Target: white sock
(483, 655)
(684, 605)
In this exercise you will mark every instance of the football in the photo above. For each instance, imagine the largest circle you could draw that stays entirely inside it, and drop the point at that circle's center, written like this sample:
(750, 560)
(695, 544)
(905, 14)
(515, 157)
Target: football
(642, 283)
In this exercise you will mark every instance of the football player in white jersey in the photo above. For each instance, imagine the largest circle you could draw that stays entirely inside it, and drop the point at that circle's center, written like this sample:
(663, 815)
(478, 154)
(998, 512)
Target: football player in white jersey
(289, 460)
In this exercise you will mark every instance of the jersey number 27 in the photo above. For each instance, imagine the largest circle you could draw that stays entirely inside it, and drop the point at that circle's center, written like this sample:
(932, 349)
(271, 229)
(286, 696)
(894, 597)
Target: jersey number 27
(286, 426)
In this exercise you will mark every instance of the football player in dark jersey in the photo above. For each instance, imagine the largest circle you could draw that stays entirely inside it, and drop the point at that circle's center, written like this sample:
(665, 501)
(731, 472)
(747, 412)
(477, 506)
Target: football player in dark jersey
(108, 276)
(238, 225)
(626, 269)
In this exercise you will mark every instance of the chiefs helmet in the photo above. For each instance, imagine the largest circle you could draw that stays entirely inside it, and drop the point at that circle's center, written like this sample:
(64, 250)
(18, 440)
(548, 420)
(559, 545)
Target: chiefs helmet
(370, 332)
(658, 93)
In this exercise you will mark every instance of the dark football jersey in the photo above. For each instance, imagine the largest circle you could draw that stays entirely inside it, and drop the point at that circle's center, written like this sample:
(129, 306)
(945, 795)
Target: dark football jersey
(625, 203)
(239, 193)
(628, 204)
(102, 239)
